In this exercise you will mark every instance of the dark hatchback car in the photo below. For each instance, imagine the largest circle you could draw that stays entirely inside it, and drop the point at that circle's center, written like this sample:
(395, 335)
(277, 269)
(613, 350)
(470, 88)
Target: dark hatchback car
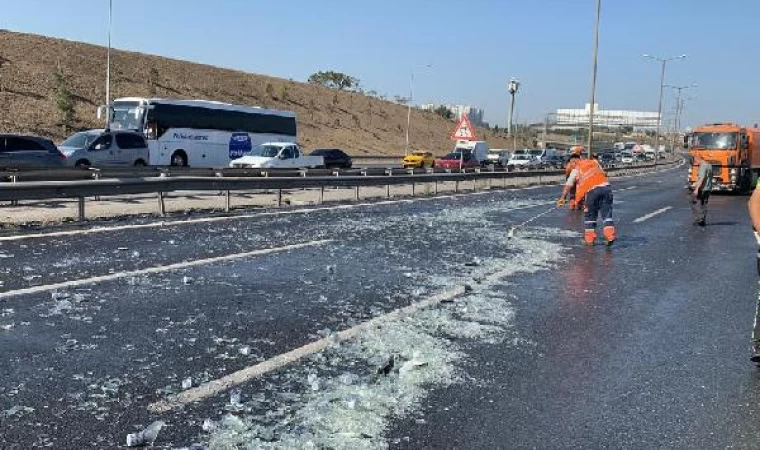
(334, 158)
(29, 152)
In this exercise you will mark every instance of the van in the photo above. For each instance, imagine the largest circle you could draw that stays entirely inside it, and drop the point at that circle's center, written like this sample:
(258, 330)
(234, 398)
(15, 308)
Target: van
(479, 149)
(105, 148)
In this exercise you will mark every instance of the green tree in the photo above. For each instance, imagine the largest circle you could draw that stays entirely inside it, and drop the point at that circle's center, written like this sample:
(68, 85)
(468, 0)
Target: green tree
(444, 112)
(63, 100)
(334, 80)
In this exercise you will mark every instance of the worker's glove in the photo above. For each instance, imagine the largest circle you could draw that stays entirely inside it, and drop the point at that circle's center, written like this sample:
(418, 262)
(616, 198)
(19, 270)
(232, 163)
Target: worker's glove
(561, 202)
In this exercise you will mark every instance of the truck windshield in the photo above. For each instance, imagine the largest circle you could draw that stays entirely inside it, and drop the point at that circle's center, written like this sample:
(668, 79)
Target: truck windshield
(269, 151)
(714, 141)
(127, 116)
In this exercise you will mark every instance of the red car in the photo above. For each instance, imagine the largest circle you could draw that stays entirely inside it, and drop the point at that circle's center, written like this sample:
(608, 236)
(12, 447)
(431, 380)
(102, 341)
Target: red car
(457, 160)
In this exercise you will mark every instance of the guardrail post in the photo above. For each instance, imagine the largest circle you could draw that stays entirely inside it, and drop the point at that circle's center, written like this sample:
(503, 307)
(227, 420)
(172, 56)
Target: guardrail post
(14, 179)
(161, 204)
(321, 194)
(414, 185)
(97, 177)
(436, 187)
(456, 186)
(80, 202)
(279, 198)
(227, 201)
(356, 193)
(387, 191)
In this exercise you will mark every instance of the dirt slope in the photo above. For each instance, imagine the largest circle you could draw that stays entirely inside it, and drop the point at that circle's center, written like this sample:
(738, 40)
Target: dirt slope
(326, 118)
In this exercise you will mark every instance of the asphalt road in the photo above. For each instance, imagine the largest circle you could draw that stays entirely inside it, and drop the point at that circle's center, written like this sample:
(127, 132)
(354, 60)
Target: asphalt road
(553, 345)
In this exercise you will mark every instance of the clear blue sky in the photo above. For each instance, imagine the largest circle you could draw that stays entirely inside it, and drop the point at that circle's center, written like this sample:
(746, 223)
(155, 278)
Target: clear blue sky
(474, 46)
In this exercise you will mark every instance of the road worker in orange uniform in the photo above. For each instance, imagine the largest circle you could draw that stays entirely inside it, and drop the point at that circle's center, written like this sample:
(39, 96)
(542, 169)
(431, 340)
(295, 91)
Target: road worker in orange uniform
(592, 185)
(573, 201)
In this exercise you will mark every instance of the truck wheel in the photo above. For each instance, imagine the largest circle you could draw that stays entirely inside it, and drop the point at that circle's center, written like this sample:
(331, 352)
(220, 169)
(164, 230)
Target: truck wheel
(179, 159)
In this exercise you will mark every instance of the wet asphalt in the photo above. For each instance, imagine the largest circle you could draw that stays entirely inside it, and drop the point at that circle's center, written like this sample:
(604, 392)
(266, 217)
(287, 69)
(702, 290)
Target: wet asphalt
(642, 345)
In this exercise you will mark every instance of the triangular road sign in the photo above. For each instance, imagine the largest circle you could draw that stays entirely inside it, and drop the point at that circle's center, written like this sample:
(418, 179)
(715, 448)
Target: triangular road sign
(464, 130)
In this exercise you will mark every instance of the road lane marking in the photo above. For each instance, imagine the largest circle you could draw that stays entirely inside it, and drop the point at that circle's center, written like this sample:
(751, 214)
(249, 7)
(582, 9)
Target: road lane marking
(652, 214)
(157, 269)
(219, 385)
(246, 374)
(199, 220)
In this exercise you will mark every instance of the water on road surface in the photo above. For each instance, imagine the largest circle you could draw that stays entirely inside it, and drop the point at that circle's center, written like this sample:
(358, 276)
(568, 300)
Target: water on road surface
(413, 324)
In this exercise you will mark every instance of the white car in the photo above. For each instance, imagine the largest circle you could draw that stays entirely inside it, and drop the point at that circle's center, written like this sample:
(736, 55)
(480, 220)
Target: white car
(523, 162)
(498, 157)
(278, 155)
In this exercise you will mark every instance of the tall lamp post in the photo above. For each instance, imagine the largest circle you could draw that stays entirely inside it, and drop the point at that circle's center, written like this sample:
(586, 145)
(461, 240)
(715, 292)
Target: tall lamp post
(409, 108)
(663, 63)
(108, 62)
(512, 87)
(593, 78)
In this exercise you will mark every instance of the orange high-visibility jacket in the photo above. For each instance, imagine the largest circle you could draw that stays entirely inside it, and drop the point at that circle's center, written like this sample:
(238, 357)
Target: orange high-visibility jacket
(590, 175)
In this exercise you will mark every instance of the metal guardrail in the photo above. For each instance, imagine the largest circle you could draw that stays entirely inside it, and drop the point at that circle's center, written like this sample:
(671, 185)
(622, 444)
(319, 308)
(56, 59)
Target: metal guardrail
(161, 181)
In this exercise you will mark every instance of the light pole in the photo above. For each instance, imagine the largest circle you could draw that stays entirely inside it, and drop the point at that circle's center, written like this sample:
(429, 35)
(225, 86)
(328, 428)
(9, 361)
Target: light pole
(409, 108)
(679, 107)
(593, 78)
(108, 61)
(663, 62)
(512, 87)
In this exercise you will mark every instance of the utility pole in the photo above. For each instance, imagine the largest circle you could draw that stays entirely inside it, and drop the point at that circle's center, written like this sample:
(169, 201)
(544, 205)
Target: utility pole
(663, 62)
(512, 87)
(593, 78)
(409, 109)
(679, 106)
(108, 62)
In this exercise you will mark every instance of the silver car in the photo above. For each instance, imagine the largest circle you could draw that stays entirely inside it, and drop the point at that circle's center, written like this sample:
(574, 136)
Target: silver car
(104, 148)
(28, 152)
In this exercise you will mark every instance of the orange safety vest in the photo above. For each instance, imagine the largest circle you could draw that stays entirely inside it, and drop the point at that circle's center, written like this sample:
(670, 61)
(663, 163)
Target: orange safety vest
(590, 176)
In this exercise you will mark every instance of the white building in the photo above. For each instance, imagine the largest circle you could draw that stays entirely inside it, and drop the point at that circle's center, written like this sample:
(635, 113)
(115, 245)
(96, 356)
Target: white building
(638, 120)
(474, 114)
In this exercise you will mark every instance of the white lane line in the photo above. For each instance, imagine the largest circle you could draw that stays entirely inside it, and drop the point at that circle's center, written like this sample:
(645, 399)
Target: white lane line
(157, 269)
(247, 374)
(630, 188)
(219, 385)
(173, 223)
(652, 214)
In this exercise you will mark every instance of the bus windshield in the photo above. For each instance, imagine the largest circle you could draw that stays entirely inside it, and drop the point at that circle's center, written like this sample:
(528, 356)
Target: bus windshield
(127, 116)
(714, 141)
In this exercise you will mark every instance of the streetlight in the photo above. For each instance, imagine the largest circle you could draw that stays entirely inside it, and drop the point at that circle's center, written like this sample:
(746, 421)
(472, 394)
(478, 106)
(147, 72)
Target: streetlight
(663, 62)
(409, 108)
(512, 87)
(679, 107)
(593, 77)
(108, 62)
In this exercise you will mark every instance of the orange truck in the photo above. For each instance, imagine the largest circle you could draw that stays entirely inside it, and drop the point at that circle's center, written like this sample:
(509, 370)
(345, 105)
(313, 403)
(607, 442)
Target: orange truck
(733, 151)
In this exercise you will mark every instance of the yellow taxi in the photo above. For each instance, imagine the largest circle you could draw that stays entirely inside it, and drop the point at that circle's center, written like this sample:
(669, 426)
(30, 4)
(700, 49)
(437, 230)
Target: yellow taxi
(419, 159)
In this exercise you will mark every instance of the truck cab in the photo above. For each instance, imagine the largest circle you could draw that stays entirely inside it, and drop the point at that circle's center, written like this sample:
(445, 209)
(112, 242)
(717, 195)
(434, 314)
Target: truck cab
(730, 149)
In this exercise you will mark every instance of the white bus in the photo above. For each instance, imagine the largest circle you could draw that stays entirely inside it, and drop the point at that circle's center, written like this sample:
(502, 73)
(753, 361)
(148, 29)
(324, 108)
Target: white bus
(200, 133)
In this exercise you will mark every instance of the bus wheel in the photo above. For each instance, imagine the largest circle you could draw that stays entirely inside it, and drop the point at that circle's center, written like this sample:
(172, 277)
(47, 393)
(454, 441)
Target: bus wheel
(179, 159)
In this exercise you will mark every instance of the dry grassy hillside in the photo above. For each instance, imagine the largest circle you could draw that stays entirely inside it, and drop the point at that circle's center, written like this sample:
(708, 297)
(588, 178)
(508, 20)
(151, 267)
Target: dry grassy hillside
(326, 118)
